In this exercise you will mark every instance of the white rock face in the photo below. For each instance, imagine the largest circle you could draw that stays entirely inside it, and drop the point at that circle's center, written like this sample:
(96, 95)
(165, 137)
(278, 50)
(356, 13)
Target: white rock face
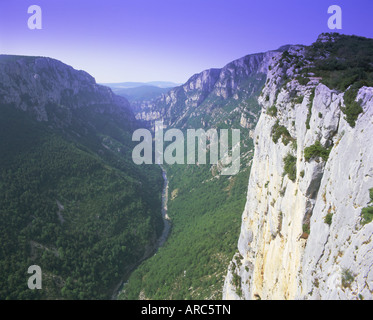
(286, 250)
(345, 245)
(215, 85)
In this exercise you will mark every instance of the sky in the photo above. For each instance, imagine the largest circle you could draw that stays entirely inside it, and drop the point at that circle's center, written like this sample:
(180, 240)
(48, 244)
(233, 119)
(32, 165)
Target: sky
(168, 40)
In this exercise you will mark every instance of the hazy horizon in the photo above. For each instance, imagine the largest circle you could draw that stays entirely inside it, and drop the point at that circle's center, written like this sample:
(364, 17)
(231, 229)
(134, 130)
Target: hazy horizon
(144, 41)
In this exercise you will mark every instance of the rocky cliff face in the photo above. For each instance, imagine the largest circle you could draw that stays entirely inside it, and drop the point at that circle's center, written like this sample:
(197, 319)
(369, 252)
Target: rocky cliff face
(46, 87)
(69, 188)
(302, 233)
(214, 96)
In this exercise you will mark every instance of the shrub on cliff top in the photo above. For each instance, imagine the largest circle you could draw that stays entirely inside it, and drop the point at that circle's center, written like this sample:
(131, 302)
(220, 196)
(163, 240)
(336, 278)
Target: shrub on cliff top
(343, 61)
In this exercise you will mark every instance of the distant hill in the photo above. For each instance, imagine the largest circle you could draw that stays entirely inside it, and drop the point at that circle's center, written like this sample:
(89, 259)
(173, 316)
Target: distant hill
(164, 84)
(141, 91)
(127, 85)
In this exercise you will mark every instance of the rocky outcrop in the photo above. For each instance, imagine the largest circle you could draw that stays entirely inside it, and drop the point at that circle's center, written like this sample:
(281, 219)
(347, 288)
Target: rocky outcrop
(44, 87)
(302, 235)
(213, 96)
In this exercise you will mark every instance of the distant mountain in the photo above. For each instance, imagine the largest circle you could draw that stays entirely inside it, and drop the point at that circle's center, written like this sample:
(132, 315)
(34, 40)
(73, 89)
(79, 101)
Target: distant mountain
(71, 199)
(163, 84)
(142, 93)
(127, 85)
(137, 92)
(124, 85)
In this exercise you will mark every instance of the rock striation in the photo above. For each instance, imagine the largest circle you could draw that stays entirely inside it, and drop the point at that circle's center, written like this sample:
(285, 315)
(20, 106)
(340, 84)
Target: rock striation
(213, 96)
(302, 234)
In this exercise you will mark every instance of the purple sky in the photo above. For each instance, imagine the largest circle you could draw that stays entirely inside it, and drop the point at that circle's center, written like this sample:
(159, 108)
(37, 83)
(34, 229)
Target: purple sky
(170, 40)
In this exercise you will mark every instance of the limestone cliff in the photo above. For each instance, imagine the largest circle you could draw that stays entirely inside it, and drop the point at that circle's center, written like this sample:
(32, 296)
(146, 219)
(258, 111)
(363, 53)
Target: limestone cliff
(227, 95)
(302, 233)
(50, 90)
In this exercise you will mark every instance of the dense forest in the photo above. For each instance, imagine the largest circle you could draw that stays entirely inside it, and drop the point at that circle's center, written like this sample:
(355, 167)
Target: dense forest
(73, 203)
(205, 211)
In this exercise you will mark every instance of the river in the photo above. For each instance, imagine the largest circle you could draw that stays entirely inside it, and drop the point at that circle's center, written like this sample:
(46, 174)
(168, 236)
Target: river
(166, 220)
(163, 237)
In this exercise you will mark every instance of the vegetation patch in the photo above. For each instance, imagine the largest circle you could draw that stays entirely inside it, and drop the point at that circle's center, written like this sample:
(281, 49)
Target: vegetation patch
(303, 80)
(272, 111)
(328, 218)
(309, 114)
(352, 108)
(299, 99)
(306, 230)
(236, 282)
(367, 213)
(290, 167)
(316, 150)
(347, 278)
(278, 132)
(342, 62)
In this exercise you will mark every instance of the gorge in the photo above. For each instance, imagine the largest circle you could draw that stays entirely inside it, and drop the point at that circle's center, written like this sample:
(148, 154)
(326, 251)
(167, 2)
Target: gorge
(293, 223)
(303, 232)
